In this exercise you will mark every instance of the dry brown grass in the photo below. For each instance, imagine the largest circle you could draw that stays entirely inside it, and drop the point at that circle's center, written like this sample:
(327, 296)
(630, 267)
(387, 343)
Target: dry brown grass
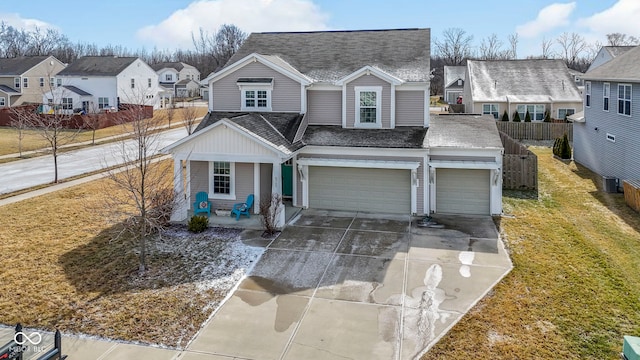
(33, 141)
(63, 267)
(575, 287)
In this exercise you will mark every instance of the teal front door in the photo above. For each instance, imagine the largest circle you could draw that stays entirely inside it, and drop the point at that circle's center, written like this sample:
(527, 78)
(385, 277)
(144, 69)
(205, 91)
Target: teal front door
(287, 178)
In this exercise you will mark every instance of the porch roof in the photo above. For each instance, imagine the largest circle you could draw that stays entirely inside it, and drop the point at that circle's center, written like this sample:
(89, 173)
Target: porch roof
(76, 90)
(410, 137)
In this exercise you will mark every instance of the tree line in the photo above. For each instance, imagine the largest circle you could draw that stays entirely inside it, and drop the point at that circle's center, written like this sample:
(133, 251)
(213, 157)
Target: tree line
(455, 46)
(210, 51)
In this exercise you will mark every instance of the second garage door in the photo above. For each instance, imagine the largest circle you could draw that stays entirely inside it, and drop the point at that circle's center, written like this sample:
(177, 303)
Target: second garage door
(360, 189)
(462, 191)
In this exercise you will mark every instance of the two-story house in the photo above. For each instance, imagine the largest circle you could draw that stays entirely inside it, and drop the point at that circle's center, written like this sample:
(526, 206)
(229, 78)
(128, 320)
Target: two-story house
(606, 138)
(536, 86)
(178, 79)
(606, 54)
(453, 82)
(337, 120)
(24, 79)
(98, 83)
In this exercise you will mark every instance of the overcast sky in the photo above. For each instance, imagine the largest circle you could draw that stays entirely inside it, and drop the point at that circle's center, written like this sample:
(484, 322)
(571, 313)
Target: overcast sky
(168, 24)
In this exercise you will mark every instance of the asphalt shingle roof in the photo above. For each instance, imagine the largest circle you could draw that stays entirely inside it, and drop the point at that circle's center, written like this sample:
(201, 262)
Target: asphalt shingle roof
(408, 137)
(625, 67)
(453, 73)
(494, 80)
(463, 131)
(76, 90)
(328, 56)
(19, 65)
(8, 90)
(98, 66)
(178, 66)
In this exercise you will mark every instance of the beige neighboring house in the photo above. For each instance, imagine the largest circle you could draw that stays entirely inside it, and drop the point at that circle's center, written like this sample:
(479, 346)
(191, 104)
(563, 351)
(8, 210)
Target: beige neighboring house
(24, 79)
(534, 85)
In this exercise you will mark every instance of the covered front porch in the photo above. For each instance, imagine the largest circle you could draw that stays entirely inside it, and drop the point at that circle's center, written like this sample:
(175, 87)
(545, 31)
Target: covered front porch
(253, 223)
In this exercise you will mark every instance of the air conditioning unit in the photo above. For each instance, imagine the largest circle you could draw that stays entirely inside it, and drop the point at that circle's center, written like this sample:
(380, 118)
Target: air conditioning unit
(631, 348)
(610, 184)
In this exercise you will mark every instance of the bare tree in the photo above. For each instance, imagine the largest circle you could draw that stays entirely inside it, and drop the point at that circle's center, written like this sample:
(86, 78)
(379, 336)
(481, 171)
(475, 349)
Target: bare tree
(454, 47)
(546, 48)
(170, 111)
(189, 117)
(92, 120)
(513, 45)
(619, 39)
(228, 40)
(571, 46)
(490, 48)
(20, 122)
(148, 202)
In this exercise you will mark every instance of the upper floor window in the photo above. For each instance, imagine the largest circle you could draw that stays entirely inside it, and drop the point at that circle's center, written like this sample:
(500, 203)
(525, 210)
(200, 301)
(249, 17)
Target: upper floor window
(536, 111)
(606, 91)
(255, 93)
(52, 82)
(16, 83)
(41, 82)
(587, 92)
(490, 109)
(168, 77)
(624, 99)
(149, 82)
(2, 101)
(133, 83)
(25, 82)
(58, 82)
(368, 106)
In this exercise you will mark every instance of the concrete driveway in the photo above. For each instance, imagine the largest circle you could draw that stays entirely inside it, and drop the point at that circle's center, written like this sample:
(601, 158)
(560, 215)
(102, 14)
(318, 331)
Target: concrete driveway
(338, 285)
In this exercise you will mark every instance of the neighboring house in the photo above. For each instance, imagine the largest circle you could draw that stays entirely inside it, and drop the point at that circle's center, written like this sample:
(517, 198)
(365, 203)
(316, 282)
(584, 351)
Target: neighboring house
(606, 138)
(606, 54)
(175, 77)
(24, 79)
(578, 78)
(101, 83)
(453, 82)
(533, 85)
(337, 120)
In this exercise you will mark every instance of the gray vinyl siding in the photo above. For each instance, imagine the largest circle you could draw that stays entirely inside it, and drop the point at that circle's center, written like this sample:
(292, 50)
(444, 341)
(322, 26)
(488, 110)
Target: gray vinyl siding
(369, 80)
(324, 107)
(285, 96)
(265, 181)
(243, 183)
(591, 147)
(410, 108)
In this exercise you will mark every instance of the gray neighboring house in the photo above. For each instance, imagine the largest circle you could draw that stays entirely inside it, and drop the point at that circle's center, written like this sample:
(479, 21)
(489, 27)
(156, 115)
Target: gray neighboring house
(337, 120)
(606, 54)
(177, 79)
(454, 77)
(534, 85)
(606, 138)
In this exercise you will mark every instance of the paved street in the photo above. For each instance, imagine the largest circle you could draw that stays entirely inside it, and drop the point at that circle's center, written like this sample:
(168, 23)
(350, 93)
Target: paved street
(24, 174)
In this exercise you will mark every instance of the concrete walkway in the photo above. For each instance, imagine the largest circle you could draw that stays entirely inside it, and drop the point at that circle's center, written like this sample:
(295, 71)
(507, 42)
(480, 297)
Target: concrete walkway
(340, 285)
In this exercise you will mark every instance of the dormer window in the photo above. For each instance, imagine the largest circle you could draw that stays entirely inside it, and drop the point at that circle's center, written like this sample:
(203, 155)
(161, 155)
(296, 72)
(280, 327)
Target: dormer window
(169, 77)
(368, 106)
(255, 93)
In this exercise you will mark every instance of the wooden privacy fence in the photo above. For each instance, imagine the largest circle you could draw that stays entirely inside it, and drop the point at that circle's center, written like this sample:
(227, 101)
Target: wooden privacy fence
(127, 113)
(519, 166)
(535, 130)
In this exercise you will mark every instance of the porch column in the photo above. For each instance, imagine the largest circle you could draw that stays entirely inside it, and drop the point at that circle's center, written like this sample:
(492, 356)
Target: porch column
(256, 188)
(415, 182)
(303, 171)
(180, 201)
(276, 188)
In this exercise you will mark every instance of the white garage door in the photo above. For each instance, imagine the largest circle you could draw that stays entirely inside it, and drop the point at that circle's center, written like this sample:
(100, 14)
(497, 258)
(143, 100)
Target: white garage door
(462, 191)
(360, 189)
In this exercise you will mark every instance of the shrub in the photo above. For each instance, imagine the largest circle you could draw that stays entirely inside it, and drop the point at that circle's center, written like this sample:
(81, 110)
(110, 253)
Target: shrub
(527, 117)
(505, 116)
(270, 210)
(562, 148)
(516, 117)
(198, 224)
(547, 117)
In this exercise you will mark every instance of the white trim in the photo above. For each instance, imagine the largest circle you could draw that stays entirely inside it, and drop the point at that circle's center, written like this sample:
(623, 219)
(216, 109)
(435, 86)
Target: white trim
(303, 99)
(357, 91)
(425, 185)
(630, 99)
(224, 157)
(268, 88)
(606, 97)
(412, 86)
(304, 180)
(587, 92)
(611, 137)
(565, 109)
(210, 95)
(367, 70)
(324, 87)
(393, 107)
(253, 58)
(256, 188)
(340, 150)
(464, 164)
(373, 164)
(232, 182)
(188, 183)
(497, 106)
(414, 183)
(294, 171)
(427, 103)
(344, 105)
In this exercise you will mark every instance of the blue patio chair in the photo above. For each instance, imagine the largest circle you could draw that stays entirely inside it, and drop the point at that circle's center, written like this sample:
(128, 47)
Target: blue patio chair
(202, 204)
(243, 208)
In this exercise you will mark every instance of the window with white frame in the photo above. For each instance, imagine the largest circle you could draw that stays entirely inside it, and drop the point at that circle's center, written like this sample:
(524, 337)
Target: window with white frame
(133, 83)
(606, 92)
(58, 82)
(258, 99)
(536, 111)
(149, 82)
(52, 82)
(168, 77)
(490, 109)
(587, 92)
(25, 82)
(16, 83)
(222, 180)
(624, 99)
(41, 82)
(563, 113)
(368, 106)
(2, 101)
(67, 103)
(103, 103)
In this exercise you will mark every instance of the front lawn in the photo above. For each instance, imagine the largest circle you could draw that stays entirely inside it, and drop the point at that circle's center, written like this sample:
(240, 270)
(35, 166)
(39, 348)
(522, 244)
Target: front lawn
(63, 267)
(575, 287)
